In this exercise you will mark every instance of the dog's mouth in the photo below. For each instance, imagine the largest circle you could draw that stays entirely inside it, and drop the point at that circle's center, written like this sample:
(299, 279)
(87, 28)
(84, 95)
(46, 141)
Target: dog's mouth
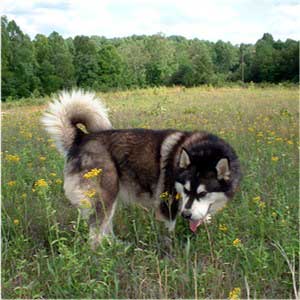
(194, 224)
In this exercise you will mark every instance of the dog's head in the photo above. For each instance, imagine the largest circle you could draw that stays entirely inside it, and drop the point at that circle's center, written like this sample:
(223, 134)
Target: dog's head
(207, 176)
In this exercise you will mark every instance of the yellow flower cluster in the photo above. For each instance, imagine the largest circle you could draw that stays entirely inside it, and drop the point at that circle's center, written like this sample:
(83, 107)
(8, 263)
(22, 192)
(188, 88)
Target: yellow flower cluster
(91, 193)
(257, 200)
(27, 135)
(274, 214)
(164, 196)
(275, 158)
(223, 227)
(261, 204)
(85, 203)
(42, 158)
(92, 173)
(16, 222)
(11, 183)
(41, 183)
(58, 181)
(178, 196)
(235, 294)
(237, 242)
(13, 158)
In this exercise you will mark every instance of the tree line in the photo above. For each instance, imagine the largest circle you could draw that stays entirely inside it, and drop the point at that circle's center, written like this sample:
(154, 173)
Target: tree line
(46, 64)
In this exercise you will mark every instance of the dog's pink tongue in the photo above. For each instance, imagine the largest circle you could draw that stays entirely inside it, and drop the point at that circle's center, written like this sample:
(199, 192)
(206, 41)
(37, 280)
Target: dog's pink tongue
(194, 225)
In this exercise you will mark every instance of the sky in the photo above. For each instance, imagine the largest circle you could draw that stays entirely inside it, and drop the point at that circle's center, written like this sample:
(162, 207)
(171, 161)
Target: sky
(237, 21)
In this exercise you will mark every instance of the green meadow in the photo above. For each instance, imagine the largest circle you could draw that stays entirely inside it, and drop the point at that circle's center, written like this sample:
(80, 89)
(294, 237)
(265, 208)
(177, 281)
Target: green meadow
(250, 250)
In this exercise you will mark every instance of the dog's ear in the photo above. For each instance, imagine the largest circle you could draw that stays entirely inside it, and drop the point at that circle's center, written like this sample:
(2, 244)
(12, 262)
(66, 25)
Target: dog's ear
(223, 169)
(184, 160)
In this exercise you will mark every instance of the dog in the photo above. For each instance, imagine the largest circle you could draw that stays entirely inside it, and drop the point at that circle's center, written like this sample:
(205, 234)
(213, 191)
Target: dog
(192, 174)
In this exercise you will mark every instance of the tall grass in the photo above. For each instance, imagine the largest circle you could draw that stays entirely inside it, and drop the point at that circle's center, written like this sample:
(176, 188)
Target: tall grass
(249, 251)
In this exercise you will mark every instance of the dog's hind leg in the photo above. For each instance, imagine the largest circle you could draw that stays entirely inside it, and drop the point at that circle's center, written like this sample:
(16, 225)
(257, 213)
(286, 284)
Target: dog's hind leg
(101, 224)
(100, 221)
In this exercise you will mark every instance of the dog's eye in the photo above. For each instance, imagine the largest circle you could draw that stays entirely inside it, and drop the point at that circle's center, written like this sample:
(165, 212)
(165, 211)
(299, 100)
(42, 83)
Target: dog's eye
(202, 194)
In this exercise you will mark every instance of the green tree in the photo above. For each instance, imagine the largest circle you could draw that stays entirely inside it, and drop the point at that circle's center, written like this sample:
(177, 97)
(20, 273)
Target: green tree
(263, 67)
(19, 76)
(110, 68)
(135, 58)
(287, 61)
(201, 61)
(161, 64)
(226, 57)
(6, 71)
(85, 62)
(62, 61)
(46, 69)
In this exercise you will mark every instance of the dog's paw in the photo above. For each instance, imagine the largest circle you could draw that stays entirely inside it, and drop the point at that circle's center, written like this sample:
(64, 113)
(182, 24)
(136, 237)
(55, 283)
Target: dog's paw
(207, 219)
(170, 225)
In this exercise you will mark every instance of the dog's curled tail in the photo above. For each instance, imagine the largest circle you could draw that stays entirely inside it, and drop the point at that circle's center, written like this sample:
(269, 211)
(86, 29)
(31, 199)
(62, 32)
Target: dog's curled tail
(69, 109)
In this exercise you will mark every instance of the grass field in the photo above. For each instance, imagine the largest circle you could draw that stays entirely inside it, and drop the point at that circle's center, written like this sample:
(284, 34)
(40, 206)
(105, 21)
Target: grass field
(249, 251)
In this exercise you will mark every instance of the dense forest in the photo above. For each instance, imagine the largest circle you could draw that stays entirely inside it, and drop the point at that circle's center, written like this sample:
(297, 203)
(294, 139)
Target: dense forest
(46, 64)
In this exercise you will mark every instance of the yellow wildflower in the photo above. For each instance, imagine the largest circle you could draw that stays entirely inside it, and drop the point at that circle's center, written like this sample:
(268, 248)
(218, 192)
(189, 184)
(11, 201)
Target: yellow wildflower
(24, 196)
(164, 196)
(275, 158)
(85, 203)
(11, 183)
(178, 196)
(16, 222)
(274, 214)
(92, 173)
(223, 227)
(42, 158)
(90, 193)
(290, 142)
(260, 134)
(256, 199)
(53, 174)
(58, 181)
(236, 242)
(278, 139)
(26, 134)
(261, 204)
(41, 183)
(235, 294)
(13, 158)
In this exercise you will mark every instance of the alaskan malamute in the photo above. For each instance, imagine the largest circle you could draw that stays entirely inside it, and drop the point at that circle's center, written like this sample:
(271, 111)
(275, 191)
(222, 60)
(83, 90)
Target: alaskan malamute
(192, 174)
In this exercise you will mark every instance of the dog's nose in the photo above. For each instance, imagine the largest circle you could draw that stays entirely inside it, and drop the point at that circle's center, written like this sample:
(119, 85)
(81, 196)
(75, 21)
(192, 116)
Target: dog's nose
(186, 214)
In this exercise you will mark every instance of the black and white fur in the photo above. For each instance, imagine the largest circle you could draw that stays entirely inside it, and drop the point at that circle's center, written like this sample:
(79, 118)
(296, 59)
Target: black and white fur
(198, 171)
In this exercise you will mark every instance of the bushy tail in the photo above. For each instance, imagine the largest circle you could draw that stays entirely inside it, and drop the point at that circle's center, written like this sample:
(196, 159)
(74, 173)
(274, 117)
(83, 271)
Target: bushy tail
(69, 109)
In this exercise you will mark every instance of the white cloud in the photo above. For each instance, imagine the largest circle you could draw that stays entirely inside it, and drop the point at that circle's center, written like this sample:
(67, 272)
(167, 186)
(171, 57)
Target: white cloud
(235, 21)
